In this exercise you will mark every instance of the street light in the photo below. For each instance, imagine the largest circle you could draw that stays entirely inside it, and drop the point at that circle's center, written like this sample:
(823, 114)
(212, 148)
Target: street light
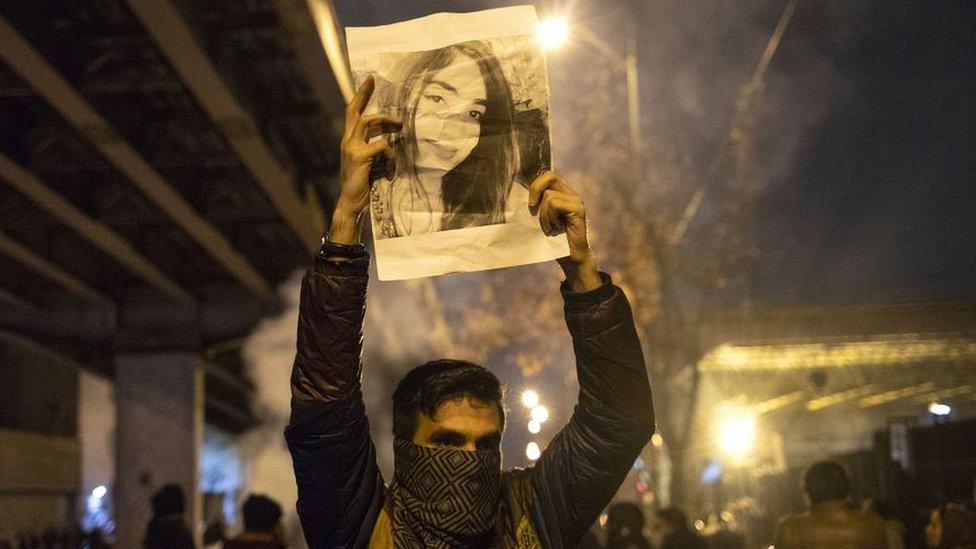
(737, 432)
(532, 451)
(939, 409)
(553, 33)
(540, 413)
(534, 427)
(530, 398)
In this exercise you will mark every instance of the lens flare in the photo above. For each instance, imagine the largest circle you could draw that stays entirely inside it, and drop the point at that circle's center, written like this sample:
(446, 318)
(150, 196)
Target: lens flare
(540, 413)
(553, 32)
(737, 432)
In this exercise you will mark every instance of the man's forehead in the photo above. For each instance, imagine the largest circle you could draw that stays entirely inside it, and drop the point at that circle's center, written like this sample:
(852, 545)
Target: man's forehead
(466, 407)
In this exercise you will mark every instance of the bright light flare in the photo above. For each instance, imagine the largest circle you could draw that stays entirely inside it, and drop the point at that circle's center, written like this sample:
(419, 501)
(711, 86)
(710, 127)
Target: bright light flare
(530, 398)
(534, 427)
(938, 409)
(737, 432)
(553, 33)
(532, 451)
(540, 413)
(99, 492)
(657, 440)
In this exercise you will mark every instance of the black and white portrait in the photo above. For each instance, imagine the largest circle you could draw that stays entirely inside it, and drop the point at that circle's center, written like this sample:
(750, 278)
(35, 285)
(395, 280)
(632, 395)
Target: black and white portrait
(475, 134)
(472, 137)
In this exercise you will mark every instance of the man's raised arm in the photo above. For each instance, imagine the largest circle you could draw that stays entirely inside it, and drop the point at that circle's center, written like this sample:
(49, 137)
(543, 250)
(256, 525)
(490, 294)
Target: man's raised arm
(583, 466)
(339, 485)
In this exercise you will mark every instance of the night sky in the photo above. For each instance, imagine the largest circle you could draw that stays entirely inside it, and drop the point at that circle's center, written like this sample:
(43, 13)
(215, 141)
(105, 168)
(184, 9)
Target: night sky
(881, 202)
(867, 143)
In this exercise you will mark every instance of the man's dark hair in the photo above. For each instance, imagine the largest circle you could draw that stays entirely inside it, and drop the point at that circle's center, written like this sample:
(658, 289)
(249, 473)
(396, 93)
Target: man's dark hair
(425, 387)
(825, 481)
(168, 500)
(674, 517)
(261, 513)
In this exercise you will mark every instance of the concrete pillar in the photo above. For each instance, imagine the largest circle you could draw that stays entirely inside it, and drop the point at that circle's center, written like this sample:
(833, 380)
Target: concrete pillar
(159, 399)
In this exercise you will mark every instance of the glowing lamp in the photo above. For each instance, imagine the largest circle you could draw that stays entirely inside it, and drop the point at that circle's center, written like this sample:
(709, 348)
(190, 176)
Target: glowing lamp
(540, 413)
(938, 409)
(737, 433)
(553, 33)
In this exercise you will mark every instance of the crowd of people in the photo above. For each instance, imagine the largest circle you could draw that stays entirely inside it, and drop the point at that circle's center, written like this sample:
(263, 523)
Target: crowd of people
(168, 530)
(831, 521)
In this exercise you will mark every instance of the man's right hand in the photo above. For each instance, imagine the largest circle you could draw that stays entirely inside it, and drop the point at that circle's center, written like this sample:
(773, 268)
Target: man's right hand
(356, 158)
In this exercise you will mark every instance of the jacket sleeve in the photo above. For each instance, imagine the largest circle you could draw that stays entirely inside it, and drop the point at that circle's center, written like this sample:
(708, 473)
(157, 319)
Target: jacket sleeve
(340, 489)
(580, 471)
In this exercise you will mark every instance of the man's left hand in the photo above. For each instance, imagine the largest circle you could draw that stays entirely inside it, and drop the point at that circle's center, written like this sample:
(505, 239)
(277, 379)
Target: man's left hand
(561, 209)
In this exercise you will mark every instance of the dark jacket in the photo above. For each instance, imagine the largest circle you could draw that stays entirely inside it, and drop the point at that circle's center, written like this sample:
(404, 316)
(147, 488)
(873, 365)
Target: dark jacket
(683, 539)
(551, 504)
(832, 525)
(168, 532)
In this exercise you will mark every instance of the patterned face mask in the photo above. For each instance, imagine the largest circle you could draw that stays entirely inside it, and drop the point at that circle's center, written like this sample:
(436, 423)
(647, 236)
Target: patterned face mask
(444, 498)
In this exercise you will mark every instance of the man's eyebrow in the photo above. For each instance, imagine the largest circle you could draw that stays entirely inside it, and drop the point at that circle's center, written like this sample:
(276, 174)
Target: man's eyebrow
(482, 102)
(445, 435)
(444, 85)
(491, 437)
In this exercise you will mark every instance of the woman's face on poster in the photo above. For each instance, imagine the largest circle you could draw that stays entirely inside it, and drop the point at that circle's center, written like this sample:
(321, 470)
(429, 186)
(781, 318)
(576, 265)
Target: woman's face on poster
(447, 120)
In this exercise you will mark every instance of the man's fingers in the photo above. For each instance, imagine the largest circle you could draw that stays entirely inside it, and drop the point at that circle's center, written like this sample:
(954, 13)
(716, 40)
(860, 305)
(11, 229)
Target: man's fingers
(380, 146)
(554, 208)
(374, 123)
(359, 101)
(539, 186)
(547, 180)
(544, 219)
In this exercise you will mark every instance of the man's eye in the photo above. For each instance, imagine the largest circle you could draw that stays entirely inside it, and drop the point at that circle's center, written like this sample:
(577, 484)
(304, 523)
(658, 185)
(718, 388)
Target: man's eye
(447, 443)
(476, 115)
(436, 98)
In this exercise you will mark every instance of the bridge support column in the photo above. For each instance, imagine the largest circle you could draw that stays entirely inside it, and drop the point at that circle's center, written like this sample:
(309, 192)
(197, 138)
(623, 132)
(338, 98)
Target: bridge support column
(158, 436)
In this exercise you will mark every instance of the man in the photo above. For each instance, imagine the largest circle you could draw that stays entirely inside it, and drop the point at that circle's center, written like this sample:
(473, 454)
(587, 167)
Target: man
(830, 522)
(447, 488)
(262, 525)
(625, 527)
(677, 532)
(167, 529)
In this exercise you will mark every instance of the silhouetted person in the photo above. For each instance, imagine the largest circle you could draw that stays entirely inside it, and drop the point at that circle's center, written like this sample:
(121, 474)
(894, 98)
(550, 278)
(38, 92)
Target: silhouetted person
(96, 539)
(262, 525)
(894, 528)
(625, 527)
(830, 522)
(951, 527)
(677, 533)
(167, 529)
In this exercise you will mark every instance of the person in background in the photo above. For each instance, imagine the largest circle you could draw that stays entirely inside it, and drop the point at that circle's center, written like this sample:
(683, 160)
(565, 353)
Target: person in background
(167, 529)
(262, 525)
(677, 533)
(830, 522)
(951, 527)
(894, 528)
(625, 527)
(214, 536)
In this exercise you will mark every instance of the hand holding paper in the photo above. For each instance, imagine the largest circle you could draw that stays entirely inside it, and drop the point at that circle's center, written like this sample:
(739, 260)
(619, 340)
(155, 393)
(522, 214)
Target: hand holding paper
(561, 210)
(356, 159)
(473, 95)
